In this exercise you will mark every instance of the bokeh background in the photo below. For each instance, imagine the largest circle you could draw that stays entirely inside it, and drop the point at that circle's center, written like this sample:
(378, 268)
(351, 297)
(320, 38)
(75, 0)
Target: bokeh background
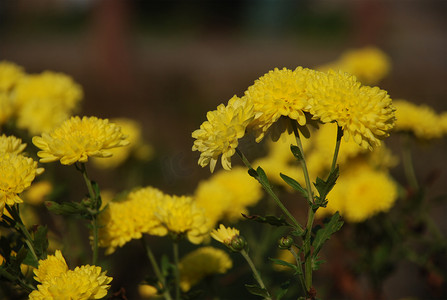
(166, 63)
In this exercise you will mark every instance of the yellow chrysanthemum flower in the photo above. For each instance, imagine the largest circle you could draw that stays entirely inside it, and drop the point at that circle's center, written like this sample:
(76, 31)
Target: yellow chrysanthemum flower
(227, 194)
(369, 64)
(131, 218)
(360, 193)
(77, 139)
(421, 120)
(180, 215)
(45, 100)
(132, 130)
(52, 266)
(11, 144)
(17, 173)
(10, 74)
(224, 234)
(6, 107)
(365, 113)
(219, 135)
(279, 93)
(201, 263)
(82, 283)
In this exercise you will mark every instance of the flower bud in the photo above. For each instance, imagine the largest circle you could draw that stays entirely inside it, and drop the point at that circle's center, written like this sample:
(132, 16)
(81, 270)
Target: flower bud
(285, 242)
(237, 243)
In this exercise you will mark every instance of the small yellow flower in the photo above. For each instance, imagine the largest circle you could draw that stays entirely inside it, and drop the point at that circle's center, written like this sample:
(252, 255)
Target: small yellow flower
(224, 234)
(129, 219)
(10, 74)
(52, 266)
(77, 139)
(147, 291)
(85, 282)
(11, 144)
(180, 215)
(421, 120)
(17, 173)
(279, 93)
(219, 135)
(369, 64)
(201, 263)
(365, 113)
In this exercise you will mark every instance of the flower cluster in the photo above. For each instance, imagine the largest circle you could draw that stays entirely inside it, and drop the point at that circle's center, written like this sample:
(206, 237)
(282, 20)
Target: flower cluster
(76, 139)
(58, 282)
(366, 114)
(227, 194)
(150, 211)
(200, 263)
(17, 171)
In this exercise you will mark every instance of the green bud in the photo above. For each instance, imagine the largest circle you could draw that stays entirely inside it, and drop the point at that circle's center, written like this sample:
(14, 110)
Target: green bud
(237, 243)
(285, 242)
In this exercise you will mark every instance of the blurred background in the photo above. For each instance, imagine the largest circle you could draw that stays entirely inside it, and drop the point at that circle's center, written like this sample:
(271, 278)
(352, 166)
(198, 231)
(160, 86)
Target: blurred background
(166, 63)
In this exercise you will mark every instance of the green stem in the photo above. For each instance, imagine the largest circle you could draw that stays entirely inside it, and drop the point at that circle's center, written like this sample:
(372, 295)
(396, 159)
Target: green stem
(256, 274)
(94, 200)
(177, 273)
(303, 162)
(156, 269)
(407, 161)
(300, 266)
(272, 194)
(337, 147)
(21, 228)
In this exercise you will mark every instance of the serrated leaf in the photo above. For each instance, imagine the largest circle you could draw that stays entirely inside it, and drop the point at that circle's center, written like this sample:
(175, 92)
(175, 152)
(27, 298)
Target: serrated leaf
(334, 224)
(272, 220)
(294, 184)
(296, 152)
(41, 241)
(257, 290)
(324, 187)
(316, 262)
(286, 264)
(67, 208)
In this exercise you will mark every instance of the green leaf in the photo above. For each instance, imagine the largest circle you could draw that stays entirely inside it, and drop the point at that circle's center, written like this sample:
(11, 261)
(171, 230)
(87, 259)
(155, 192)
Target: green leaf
(316, 262)
(334, 224)
(324, 187)
(253, 173)
(283, 291)
(286, 264)
(272, 220)
(296, 152)
(166, 266)
(67, 208)
(41, 241)
(5, 274)
(262, 177)
(294, 184)
(257, 290)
